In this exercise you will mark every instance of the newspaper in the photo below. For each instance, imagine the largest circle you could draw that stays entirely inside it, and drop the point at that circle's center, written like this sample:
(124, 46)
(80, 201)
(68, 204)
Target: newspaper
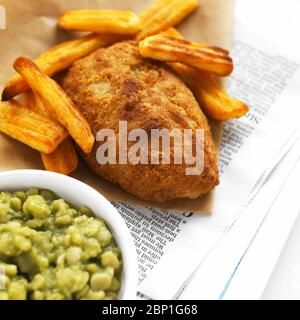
(170, 246)
(250, 277)
(277, 246)
(251, 244)
(228, 282)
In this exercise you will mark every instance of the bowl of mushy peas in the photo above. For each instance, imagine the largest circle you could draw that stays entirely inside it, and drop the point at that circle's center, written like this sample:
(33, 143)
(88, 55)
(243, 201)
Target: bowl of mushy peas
(62, 240)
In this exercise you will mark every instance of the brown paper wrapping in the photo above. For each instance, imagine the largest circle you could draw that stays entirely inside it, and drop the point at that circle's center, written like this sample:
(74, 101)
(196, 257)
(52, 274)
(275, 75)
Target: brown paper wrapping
(31, 29)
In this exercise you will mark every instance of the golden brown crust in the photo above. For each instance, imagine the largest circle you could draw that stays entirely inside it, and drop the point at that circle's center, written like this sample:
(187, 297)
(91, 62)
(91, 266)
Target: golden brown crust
(117, 84)
(172, 49)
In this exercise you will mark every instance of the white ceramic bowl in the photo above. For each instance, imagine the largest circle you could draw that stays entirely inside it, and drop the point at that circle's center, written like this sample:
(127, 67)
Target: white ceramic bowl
(77, 193)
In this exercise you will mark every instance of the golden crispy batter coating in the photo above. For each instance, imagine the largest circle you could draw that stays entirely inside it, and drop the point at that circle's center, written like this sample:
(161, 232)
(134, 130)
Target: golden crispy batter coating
(116, 84)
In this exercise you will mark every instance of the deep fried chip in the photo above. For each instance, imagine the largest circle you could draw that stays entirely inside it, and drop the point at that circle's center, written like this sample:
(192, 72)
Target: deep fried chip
(59, 58)
(56, 101)
(101, 21)
(164, 14)
(29, 127)
(212, 98)
(172, 32)
(63, 160)
(35, 103)
(172, 49)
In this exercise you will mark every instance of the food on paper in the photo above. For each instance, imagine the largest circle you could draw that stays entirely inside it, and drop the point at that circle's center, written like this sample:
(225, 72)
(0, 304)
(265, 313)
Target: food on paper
(213, 99)
(59, 58)
(55, 99)
(164, 14)
(101, 21)
(172, 49)
(63, 160)
(112, 79)
(29, 127)
(148, 96)
(172, 32)
(35, 103)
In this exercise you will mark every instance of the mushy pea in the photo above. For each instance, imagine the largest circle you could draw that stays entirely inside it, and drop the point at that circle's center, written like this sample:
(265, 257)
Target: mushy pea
(52, 251)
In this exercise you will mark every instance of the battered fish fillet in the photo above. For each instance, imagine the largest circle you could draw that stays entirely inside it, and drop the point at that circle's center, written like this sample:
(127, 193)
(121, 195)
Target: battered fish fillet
(116, 84)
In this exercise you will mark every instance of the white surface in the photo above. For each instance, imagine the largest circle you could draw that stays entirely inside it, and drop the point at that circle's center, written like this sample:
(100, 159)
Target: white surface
(276, 19)
(279, 20)
(69, 189)
(210, 281)
(285, 280)
(253, 272)
(244, 276)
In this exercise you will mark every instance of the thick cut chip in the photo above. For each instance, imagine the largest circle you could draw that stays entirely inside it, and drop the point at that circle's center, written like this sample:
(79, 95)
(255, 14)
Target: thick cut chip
(59, 58)
(29, 127)
(172, 49)
(164, 14)
(63, 160)
(172, 32)
(101, 21)
(35, 103)
(212, 98)
(56, 101)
